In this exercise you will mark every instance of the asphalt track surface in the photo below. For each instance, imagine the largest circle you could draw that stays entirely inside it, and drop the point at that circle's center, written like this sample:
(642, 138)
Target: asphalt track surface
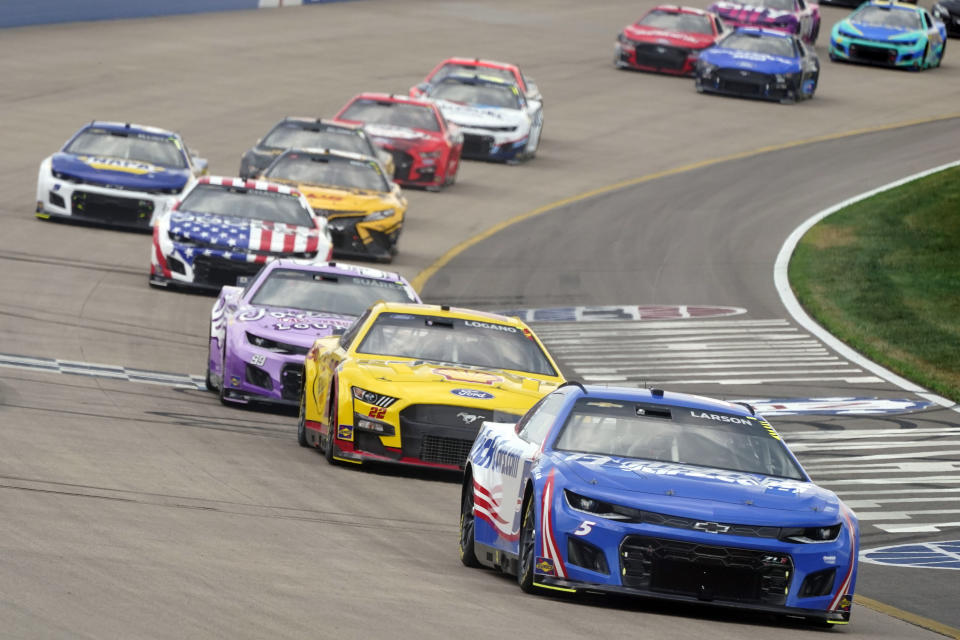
(129, 510)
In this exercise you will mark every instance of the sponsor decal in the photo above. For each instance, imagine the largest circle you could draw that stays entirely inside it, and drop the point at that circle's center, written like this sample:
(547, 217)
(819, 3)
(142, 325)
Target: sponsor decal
(467, 375)
(234, 381)
(544, 566)
(488, 325)
(115, 164)
(475, 394)
(345, 432)
(494, 455)
(923, 555)
(703, 415)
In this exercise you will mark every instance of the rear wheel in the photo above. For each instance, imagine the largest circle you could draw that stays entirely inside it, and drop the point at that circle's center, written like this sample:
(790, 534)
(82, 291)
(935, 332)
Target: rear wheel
(528, 536)
(222, 390)
(468, 554)
(329, 449)
(302, 422)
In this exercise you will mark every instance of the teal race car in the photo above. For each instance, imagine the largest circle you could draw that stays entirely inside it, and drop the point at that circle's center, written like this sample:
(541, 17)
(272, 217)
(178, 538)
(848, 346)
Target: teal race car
(890, 34)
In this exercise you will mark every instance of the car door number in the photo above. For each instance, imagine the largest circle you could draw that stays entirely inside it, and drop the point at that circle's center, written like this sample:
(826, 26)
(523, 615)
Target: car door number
(258, 359)
(585, 527)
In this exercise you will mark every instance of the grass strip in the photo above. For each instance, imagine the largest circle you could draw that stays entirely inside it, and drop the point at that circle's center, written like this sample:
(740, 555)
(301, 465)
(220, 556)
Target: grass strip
(883, 276)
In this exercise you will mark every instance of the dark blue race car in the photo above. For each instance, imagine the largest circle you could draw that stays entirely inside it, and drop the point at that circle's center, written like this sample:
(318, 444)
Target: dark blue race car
(657, 494)
(759, 63)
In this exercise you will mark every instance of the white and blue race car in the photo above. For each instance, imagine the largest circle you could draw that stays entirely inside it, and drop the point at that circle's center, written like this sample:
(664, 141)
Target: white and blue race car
(497, 120)
(665, 495)
(116, 174)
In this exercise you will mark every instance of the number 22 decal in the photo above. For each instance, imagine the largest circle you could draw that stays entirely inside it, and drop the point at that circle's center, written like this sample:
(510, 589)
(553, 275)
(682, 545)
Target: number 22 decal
(585, 527)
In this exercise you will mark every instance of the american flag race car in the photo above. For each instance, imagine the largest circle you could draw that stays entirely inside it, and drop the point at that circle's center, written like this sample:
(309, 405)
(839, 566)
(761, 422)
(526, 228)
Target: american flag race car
(259, 334)
(225, 228)
(116, 174)
(665, 495)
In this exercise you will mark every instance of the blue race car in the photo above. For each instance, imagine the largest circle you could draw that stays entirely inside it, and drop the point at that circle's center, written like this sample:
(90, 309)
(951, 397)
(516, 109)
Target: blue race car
(759, 63)
(116, 174)
(890, 34)
(668, 495)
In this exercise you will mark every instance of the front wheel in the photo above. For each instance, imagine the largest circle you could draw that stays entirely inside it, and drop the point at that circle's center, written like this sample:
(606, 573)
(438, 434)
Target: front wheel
(302, 422)
(528, 537)
(329, 449)
(468, 555)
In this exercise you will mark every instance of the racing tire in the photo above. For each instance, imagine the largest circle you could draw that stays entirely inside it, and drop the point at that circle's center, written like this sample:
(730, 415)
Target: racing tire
(528, 539)
(329, 447)
(698, 85)
(302, 422)
(222, 389)
(815, 33)
(943, 50)
(209, 380)
(468, 555)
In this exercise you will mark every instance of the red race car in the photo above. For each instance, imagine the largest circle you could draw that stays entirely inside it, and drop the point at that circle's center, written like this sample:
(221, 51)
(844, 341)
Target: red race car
(425, 147)
(667, 39)
(476, 66)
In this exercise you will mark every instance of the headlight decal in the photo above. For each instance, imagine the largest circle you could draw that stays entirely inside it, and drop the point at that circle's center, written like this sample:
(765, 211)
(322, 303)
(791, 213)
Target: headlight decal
(371, 397)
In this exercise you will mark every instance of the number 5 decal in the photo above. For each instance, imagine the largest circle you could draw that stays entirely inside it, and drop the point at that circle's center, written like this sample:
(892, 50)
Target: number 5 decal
(585, 527)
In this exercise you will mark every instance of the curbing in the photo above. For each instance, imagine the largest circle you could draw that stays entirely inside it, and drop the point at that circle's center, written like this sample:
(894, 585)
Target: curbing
(800, 316)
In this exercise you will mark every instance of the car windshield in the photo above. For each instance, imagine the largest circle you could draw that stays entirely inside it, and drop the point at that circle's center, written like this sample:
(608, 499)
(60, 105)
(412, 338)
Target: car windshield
(770, 45)
(159, 150)
(904, 19)
(240, 202)
(680, 435)
(479, 94)
(397, 114)
(328, 171)
(489, 345)
(450, 69)
(301, 136)
(326, 292)
(672, 21)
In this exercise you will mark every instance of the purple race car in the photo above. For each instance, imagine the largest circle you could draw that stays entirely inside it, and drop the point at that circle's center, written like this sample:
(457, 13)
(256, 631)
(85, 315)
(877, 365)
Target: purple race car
(799, 17)
(260, 333)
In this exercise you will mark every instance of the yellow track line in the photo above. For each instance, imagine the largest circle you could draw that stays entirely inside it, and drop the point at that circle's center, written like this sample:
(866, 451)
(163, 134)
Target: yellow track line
(421, 279)
(906, 616)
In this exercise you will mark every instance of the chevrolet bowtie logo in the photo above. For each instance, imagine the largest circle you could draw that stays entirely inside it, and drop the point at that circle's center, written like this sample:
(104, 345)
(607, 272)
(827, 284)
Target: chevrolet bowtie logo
(712, 527)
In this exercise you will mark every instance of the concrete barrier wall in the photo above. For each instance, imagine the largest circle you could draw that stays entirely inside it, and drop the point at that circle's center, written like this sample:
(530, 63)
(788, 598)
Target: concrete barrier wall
(19, 13)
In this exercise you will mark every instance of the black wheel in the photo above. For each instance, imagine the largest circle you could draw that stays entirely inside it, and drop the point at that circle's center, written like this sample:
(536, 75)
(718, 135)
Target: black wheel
(209, 380)
(329, 449)
(468, 554)
(528, 537)
(222, 391)
(302, 422)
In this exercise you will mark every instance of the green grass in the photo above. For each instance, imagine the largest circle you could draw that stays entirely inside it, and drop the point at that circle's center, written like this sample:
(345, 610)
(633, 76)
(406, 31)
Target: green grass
(883, 275)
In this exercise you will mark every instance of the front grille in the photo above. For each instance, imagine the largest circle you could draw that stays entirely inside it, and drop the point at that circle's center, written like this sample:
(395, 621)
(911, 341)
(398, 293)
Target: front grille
(291, 381)
(440, 433)
(222, 272)
(402, 161)
(445, 450)
(867, 53)
(476, 146)
(111, 209)
(343, 231)
(660, 56)
(705, 572)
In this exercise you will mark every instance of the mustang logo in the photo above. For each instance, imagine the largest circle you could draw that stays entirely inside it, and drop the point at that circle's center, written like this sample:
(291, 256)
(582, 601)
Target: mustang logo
(468, 418)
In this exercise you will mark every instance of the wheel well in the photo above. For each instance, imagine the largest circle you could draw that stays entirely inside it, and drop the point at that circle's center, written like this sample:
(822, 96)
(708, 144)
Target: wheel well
(467, 481)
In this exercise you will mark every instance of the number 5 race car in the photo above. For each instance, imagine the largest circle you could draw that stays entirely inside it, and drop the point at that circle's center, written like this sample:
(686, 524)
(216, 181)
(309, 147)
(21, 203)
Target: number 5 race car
(411, 384)
(668, 495)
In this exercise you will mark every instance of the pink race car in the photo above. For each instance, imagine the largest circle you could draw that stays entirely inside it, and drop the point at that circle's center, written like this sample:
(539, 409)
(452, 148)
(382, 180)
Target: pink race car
(799, 17)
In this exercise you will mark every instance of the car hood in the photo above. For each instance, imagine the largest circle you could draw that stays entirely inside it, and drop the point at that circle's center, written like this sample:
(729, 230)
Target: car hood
(466, 115)
(751, 14)
(386, 133)
(870, 32)
(653, 35)
(749, 60)
(675, 483)
(465, 382)
(234, 233)
(325, 199)
(125, 174)
(292, 326)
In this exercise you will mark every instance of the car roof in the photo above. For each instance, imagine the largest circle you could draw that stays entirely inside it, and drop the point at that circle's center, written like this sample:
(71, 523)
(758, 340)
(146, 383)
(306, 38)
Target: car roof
(675, 8)
(884, 4)
(323, 122)
(658, 396)
(256, 185)
(445, 311)
(336, 153)
(130, 127)
(481, 62)
(392, 97)
(759, 31)
(477, 78)
(337, 268)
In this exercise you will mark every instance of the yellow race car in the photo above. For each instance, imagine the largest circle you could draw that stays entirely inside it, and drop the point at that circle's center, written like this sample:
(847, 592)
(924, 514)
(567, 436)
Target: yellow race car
(363, 207)
(411, 384)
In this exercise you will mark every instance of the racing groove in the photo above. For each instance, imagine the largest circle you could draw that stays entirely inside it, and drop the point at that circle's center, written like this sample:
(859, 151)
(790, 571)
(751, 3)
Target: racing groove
(113, 506)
